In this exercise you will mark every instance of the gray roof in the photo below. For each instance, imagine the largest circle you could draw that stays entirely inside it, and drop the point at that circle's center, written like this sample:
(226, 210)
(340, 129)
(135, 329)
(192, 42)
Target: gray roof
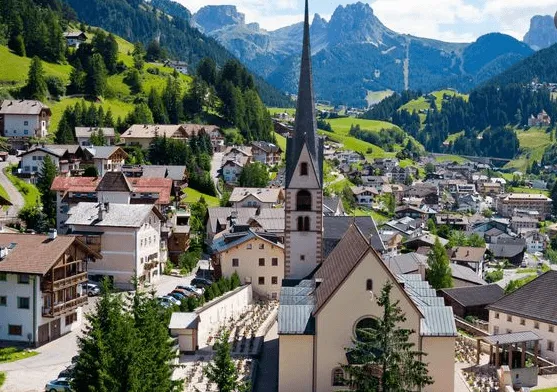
(118, 215)
(509, 338)
(475, 295)
(405, 263)
(296, 307)
(102, 152)
(270, 219)
(87, 131)
(10, 106)
(334, 228)
(461, 272)
(535, 300)
(505, 250)
(180, 320)
(437, 321)
(230, 240)
(174, 172)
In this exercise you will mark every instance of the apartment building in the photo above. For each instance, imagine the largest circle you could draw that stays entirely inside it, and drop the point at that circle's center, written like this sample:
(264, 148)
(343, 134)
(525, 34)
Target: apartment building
(507, 204)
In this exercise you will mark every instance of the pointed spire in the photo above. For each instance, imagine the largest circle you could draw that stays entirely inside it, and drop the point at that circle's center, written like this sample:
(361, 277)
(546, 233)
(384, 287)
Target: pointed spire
(306, 125)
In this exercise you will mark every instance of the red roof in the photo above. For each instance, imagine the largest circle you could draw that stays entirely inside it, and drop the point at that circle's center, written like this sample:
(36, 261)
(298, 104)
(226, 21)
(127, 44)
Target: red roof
(161, 185)
(75, 184)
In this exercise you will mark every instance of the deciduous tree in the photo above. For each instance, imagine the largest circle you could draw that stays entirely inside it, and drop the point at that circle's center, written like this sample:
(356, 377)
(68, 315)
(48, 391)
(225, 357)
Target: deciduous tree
(439, 273)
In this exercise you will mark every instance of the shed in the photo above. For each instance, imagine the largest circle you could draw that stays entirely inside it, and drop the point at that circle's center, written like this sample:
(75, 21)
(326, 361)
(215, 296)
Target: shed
(184, 326)
(472, 300)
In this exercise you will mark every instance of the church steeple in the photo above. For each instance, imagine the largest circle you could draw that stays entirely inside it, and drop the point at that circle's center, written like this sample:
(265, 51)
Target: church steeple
(305, 128)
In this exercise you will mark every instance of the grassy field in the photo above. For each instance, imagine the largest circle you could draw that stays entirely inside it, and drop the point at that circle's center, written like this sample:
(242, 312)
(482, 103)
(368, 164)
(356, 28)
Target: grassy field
(377, 216)
(533, 143)
(453, 137)
(192, 196)
(450, 158)
(374, 97)
(274, 111)
(519, 189)
(281, 141)
(12, 354)
(118, 108)
(30, 193)
(546, 390)
(421, 103)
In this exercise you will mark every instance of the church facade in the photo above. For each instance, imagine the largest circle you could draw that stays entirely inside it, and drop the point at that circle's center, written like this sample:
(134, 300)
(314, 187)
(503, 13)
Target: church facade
(324, 302)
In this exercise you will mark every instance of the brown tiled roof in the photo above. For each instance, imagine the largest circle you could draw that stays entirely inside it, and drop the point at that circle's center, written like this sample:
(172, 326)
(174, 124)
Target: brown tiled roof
(340, 263)
(36, 254)
(468, 254)
(163, 186)
(114, 182)
(75, 184)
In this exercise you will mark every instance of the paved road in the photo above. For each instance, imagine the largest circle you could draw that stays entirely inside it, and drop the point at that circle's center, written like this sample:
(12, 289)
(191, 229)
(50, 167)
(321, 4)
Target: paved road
(15, 197)
(267, 372)
(216, 163)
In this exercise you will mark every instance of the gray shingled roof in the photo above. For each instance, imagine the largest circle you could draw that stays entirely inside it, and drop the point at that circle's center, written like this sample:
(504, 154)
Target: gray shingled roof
(10, 106)
(103, 152)
(405, 263)
(467, 274)
(114, 182)
(535, 300)
(87, 131)
(476, 295)
(118, 215)
(334, 228)
(509, 338)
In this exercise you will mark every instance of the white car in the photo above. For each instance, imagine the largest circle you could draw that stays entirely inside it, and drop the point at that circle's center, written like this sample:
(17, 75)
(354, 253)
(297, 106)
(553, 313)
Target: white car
(167, 301)
(191, 289)
(92, 289)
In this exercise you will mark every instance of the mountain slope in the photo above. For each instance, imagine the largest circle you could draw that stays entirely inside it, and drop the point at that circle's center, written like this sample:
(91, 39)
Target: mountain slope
(542, 33)
(356, 51)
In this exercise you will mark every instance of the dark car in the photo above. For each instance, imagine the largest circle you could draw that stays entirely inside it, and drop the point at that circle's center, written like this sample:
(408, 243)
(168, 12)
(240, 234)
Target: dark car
(67, 372)
(201, 282)
(179, 296)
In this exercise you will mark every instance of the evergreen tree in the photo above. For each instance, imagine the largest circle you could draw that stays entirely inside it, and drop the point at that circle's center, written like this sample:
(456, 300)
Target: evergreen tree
(65, 134)
(77, 79)
(439, 273)
(172, 98)
(160, 116)
(141, 114)
(96, 76)
(97, 138)
(138, 56)
(36, 84)
(222, 370)
(383, 359)
(207, 71)
(133, 79)
(16, 42)
(46, 175)
(154, 51)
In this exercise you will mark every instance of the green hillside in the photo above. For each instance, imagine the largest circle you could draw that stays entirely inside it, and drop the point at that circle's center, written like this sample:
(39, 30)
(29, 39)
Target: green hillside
(533, 143)
(422, 104)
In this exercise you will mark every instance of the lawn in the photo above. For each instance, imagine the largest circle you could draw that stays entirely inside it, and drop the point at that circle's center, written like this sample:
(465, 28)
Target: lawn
(29, 192)
(192, 196)
(450, 158)
(281, 141)
(12, 354)
(2, 378)
(274, 111)
(421, 103)
(520, 189)
(3, 193)
(378, 217)
(338, 186)
(545, 390)
(533, 143)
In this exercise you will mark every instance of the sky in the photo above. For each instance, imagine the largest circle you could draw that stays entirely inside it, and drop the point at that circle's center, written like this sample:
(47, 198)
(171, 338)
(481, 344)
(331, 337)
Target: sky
(448, 20)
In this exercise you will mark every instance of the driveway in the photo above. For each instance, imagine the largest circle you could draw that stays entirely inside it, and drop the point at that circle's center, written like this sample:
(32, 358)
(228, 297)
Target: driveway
(15, 197)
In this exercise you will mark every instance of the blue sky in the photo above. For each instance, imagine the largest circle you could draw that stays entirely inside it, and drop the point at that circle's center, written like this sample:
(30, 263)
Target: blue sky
(449, 20)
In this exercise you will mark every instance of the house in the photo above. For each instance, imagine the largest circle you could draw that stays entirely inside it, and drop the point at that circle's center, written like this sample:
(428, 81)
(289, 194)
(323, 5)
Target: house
(143, 134)
(426, 240)
(469, 203)
(411, 212)
(256, 197)
(542, 119)
(41, 286)
(513, 252)
(332, 206)
(213, 131)
(532, 307)
(83, 135)
(522, 224)
(376, 182)
(469, 256)
(128, 236)
(399, 175)
(490, 188)
(309, 322)
(407, 227)
(66, 158)
(535, 241)
(407, 263)
(177, 173)
(69, 192)
(256, 257)
(237, 153)
(455, 221)
(105, 158)
(507, 204)
(334, 228)
(425, 191)
(267, 153)
(385, 165)
(364, 195)
(179, 66)
(74, 38)
(21, 120)
(232, 169)
(472, 300)
(464, 276)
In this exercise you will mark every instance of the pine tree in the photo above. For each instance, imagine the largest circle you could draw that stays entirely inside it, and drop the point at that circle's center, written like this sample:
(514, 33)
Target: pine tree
(141, 114)
(44, 181)
(96, 76)
(36, 83)
(439, 273)
(65, 134)
(222, 370)
(138, 56)
(160, 116)
(382, 358)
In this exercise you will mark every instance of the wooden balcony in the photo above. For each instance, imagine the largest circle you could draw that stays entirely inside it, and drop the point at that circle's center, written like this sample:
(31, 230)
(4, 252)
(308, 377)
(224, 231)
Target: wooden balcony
(65, 307)
(50, 286)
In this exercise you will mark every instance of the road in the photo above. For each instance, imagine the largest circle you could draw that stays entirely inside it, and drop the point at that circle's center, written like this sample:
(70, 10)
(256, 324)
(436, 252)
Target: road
(216, 163)
(15, 197)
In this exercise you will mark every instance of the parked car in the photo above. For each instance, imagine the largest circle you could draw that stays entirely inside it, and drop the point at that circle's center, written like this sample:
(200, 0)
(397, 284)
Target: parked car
(191, 289)
(179, 296)
(201, 282)
(92, 289)
(185, 293)
(67, 372)
(167, 302)
(59, 385)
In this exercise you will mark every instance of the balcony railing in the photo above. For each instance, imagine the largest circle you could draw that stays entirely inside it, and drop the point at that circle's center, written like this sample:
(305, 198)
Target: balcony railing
(64, 307)
(60, 284)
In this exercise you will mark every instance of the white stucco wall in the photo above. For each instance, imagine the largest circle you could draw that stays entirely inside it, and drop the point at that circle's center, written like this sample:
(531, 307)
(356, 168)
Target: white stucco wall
(33, 162)
(16, 125)
(296, 363)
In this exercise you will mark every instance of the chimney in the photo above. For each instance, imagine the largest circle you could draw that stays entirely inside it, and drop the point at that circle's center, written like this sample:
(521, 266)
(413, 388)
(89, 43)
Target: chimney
(52, 234)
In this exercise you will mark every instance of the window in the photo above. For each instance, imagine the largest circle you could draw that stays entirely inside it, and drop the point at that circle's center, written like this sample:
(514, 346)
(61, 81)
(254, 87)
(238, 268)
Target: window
(302, 257)
(496, 315)
(4, 301)
(26, 123)
(338, 377)
(364, 323)
(26, 132)
(522, 321)
(261, 280)
(304, 169)
(235, 262)
(303, 201)
(550, 328)
(71, 318)
(509, 330)
(274, 296)
(14, 330)
(23, 279)
(23, 302)
(3, 277)
(495, 330)
(550, 345)
(249, 246)
(274, 280)
(509, 318)
(262, 262)
(369, 285)
(536, 325)
(303, 223)
(274, 261)
(261, 246)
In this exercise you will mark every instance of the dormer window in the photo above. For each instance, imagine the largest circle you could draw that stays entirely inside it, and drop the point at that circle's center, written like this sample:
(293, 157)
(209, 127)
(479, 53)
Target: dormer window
(304, 169)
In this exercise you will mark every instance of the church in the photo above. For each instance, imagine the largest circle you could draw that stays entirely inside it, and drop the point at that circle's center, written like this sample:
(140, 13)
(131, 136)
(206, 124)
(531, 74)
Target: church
(324, 301)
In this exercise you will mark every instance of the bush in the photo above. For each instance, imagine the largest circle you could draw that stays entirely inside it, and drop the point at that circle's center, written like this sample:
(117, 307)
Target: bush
(494, 276)
(56, 86)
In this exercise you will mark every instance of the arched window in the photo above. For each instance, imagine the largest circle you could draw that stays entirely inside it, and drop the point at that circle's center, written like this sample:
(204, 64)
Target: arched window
(303, 201)
(369, 285)
(304, 169)
(306, 223)
(364, 325)
(338, 377)
(303, 223)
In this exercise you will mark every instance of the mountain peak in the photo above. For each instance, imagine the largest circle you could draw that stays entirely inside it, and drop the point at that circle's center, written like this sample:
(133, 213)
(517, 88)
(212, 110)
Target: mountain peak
(542, 33)
(215, 17)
